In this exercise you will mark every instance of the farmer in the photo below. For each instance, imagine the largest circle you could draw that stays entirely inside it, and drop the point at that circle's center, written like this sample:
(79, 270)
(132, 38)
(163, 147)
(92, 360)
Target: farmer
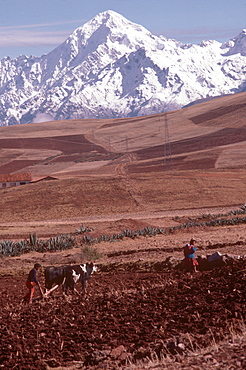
(30, 283)
(190, 262)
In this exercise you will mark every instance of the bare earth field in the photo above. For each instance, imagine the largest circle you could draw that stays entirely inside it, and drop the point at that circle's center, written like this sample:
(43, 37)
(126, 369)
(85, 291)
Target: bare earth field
(160, 171)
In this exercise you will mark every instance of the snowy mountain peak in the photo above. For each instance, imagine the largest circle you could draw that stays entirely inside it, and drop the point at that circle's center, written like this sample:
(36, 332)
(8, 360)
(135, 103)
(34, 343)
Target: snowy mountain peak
(114, 20)
(108, 32)
(111, 27)
(106, 23)
(111, 67)
(110, 18)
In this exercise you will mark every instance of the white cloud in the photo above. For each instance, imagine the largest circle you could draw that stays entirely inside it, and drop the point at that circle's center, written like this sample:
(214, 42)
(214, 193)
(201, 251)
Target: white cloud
(43, 117)
(38, 25)
(35, 35)
(33, 39)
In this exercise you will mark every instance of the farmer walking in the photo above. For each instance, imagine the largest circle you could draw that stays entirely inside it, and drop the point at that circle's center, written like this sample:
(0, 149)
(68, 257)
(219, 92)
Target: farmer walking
(190, 262)
(30, 283)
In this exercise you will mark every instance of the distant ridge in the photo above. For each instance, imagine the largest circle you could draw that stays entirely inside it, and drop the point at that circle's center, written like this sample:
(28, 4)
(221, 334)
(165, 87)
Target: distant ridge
(199, 101)
(111, 68)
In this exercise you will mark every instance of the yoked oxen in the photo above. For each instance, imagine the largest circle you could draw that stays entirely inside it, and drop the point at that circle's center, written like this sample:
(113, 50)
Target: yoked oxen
(68, 276)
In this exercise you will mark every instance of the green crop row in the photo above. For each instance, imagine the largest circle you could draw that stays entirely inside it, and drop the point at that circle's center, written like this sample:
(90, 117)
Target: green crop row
(152, 231)
(9, 248)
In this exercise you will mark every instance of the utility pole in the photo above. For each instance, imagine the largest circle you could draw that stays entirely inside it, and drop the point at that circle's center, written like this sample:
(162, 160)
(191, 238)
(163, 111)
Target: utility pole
(127, 146)
(92, 134)
(109, 149)
(168, 162)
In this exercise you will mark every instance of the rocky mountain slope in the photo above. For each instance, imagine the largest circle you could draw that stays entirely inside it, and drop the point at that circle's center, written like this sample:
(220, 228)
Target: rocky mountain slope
(111, 67)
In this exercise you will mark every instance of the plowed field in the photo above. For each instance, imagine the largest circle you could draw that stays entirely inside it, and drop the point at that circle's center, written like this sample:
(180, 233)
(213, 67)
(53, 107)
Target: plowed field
(126, 316)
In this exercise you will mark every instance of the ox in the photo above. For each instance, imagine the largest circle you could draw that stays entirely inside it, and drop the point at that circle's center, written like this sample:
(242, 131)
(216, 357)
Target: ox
(68, 276)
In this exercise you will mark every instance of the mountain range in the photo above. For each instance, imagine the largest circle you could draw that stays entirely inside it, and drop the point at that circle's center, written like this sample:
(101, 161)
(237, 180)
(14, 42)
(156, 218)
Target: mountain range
(112, 68)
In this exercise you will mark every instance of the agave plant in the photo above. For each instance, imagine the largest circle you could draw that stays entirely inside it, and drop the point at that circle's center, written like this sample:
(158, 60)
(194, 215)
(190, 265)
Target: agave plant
(83, 229)
(33, 239)
(6, 248)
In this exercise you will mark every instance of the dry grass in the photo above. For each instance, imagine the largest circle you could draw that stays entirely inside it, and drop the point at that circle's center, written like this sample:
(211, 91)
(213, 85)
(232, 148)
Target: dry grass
(114, 169)
(219, 355)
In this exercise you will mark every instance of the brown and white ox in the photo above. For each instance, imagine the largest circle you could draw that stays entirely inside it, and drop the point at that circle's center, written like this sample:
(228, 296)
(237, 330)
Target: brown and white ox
(67, 277)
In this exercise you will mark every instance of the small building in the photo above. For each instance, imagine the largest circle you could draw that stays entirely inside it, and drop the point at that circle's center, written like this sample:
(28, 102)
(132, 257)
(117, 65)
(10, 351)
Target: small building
(16, 179)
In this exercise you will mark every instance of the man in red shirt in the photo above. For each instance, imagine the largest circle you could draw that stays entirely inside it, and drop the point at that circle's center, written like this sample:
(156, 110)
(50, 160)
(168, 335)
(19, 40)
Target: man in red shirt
(30, 283)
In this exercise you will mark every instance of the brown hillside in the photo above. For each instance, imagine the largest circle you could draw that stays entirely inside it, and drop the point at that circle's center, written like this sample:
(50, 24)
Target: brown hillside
(205, 136)
(183, 160)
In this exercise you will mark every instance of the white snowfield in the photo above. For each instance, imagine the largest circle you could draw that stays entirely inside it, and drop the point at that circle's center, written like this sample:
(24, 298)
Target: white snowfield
(111, 67)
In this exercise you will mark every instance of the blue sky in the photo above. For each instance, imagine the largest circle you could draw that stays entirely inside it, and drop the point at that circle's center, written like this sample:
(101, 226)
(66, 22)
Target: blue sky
(35, 27)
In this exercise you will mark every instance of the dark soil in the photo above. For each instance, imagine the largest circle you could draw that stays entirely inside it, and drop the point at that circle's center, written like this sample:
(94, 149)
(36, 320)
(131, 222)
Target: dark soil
(125, 316)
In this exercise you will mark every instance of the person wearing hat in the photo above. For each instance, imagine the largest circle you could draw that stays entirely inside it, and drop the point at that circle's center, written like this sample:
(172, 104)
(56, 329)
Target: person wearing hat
(190, 262)
(30, 283)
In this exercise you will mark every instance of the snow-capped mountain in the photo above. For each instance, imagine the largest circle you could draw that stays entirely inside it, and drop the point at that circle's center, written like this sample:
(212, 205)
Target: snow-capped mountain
(111, 67)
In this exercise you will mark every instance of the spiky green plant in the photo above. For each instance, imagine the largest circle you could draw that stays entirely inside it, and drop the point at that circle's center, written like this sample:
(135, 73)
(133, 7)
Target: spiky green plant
(83, 229)
(33, 239)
